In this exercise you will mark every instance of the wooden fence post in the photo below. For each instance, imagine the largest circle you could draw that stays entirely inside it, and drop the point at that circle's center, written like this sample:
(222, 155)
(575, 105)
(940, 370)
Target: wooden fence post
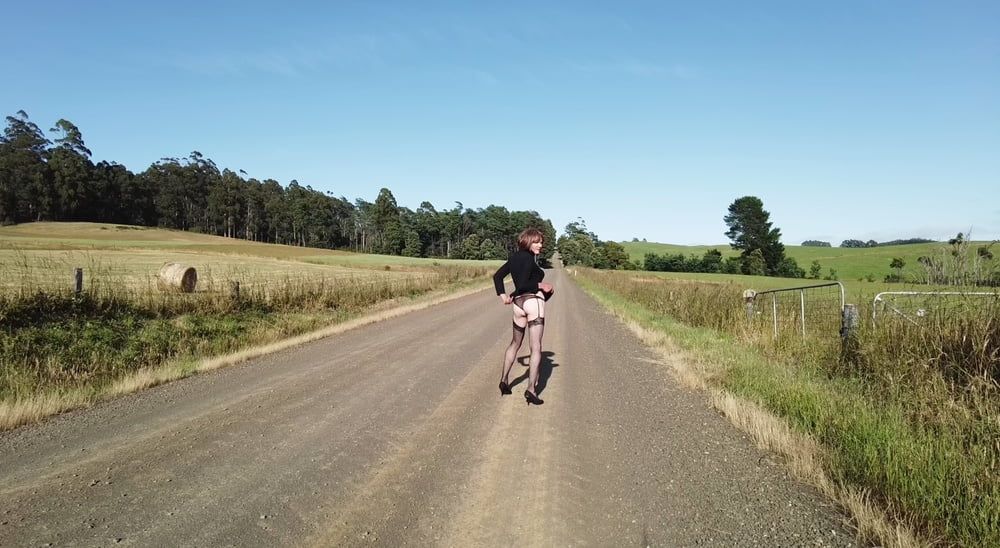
(748, 297)
(850, 321)
(78, 281)
(848, 333)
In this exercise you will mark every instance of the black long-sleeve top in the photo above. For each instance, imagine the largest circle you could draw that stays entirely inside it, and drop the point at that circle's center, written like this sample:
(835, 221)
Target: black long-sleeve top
(523, 269)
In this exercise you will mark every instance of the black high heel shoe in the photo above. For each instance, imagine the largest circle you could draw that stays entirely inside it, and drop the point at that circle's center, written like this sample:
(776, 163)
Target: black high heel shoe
(532, 399)
(504, 389)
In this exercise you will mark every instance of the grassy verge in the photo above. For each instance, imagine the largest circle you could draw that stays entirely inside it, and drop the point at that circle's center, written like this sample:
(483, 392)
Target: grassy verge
(917, 441)
(59, 350)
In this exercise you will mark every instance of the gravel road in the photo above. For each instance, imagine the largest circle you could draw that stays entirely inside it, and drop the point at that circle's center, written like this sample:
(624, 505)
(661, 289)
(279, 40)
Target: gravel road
(395, 434)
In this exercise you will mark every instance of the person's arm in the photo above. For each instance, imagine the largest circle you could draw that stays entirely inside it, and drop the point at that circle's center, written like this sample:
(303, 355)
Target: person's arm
(498, 277)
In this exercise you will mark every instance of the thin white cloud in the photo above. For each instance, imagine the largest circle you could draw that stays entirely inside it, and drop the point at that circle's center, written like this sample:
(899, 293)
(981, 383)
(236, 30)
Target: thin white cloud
(357, 50)
(485, 78)
(481, 36)
(683, 72)
(242, 64)
(298, 59)
(638, 68)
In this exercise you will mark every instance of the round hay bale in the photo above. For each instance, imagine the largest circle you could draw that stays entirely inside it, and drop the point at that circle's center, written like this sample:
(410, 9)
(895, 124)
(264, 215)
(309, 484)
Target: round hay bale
(177, 277)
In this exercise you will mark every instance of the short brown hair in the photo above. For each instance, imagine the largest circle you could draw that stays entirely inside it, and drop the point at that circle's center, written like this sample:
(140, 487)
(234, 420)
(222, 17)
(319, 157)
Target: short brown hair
(529, 236)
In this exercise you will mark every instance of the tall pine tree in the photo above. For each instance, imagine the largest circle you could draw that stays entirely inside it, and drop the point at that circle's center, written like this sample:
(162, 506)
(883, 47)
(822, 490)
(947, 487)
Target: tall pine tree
(750, 230)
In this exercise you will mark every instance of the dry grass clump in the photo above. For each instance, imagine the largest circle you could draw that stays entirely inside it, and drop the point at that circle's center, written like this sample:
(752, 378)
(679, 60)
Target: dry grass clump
(906, 413)
(694, 303)
(959, 350)
(58, 346)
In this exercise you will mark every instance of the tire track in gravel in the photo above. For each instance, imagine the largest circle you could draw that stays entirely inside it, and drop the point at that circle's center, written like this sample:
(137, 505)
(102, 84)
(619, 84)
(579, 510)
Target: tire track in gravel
(395, 434)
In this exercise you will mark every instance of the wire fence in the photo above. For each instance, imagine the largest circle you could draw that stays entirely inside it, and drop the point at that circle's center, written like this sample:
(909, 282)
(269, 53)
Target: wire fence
(53, 270)
(229, 289)
(921, 308)
(807, 310)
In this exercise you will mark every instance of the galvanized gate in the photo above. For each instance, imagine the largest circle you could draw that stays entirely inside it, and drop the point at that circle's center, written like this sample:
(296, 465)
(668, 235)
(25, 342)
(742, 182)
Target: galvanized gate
(812, 308)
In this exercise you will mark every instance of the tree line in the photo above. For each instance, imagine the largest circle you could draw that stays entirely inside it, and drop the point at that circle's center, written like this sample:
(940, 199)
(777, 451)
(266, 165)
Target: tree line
(579, 246)
(752, 233)
(870, 243)
(873, 243)
(56, 180)
(711, 262)
(750, 230)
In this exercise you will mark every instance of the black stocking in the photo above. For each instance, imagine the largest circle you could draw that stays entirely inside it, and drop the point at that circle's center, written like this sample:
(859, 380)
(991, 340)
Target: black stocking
(511, 354)
(536, 329)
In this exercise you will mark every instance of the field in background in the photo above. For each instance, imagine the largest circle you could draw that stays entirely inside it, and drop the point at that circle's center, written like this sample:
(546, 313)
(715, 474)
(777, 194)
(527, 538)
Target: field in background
(851, 264)
(855, 292)
(47, 253)
(60, 350)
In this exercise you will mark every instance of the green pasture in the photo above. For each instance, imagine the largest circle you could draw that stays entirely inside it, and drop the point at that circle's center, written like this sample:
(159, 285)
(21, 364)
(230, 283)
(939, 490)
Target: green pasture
(855, 292)
(850, 263)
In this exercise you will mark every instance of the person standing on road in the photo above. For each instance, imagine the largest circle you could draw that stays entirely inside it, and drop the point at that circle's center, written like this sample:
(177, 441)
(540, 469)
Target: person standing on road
(528, 298)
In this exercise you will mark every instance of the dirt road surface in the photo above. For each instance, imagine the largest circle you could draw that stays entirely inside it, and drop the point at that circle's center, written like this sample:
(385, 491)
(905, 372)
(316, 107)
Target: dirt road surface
(395, 434)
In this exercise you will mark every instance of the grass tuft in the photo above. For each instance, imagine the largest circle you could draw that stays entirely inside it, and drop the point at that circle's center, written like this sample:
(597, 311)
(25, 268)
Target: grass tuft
(59, 350)
(905, 426)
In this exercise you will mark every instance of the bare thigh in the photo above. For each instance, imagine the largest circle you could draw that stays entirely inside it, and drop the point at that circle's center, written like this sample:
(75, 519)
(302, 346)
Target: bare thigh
(520, 317)
(534, 309)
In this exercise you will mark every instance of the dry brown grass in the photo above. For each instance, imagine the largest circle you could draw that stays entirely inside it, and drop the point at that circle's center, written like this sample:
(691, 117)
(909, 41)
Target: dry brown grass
(801, 453)
(35, 408)
(299, 288)
(16, 413)
(137, 269)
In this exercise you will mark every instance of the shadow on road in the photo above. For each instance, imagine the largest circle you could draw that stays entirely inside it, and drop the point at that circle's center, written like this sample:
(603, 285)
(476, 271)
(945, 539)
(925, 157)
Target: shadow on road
(544, 370)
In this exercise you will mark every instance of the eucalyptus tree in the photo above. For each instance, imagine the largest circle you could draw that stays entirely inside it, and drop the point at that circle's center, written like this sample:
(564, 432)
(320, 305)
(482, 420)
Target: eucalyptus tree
(364, 227)
(577, 245)
(166, 176)
(42, 180)
(182, 190)
(71, 169)
(25, 187)
(427, 223)
(297, 213)
(225, 205)
(412, 246)
(495, 224)
(342, 221)
(276, 223)
(471, 247)
(452, 228)
(200, 174)
(255, 214)
(121, 196)
(387, 224)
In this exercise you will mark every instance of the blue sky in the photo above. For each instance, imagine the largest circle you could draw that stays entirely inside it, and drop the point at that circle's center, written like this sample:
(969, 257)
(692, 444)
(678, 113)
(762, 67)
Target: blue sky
(855, 119)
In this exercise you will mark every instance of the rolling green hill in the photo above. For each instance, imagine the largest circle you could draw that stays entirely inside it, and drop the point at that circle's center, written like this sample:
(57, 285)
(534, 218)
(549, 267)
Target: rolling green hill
(850, 263)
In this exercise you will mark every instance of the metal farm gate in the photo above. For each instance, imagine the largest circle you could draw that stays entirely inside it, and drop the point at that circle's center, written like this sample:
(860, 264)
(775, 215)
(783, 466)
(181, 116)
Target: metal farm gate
(919, 307)
(815, 309)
